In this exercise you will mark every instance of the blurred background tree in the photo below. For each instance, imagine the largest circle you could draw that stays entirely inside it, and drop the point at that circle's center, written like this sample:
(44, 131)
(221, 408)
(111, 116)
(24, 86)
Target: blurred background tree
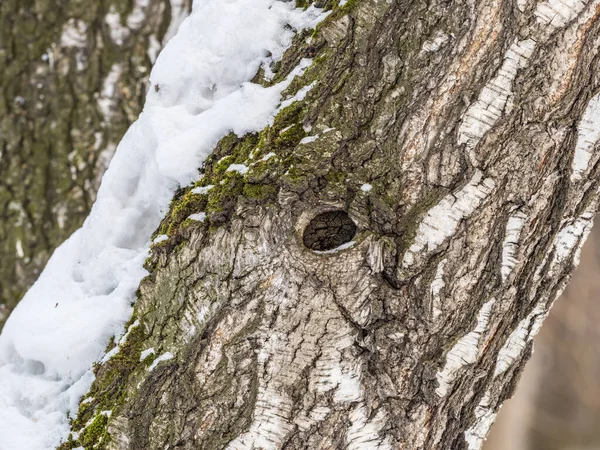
(557, 403)
(74, 77)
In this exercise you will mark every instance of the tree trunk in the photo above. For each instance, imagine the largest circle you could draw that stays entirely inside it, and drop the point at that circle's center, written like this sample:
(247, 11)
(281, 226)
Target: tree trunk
(74, 77)
(460, 139)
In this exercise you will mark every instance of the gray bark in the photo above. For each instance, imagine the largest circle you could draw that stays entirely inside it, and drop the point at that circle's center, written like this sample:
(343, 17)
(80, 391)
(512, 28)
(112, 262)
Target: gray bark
(74, 77)
(463, 117)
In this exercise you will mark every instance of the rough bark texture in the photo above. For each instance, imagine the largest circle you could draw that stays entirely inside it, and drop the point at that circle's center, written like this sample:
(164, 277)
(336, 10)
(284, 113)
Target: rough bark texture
(448, 132)
(74, 77)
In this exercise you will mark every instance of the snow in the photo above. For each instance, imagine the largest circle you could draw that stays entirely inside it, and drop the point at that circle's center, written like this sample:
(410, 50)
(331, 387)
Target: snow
(268, 156)
(308, 139)
(239, 168)
(366, 187)
(146, 353)
(200, 92)
(339, 248)
(203, 189)
(164, 357)
(178, 14)
(160, 238)
(199, 217)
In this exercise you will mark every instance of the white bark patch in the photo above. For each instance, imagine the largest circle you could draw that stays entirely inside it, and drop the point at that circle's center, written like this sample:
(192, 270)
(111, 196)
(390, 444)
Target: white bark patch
(375, 257)
(518, 339)
(442, 221)
(465, 352)
(74, 34)
(486, 111)
(557, 13)
(118, 32)
(136, 18)
(436, 288)
(588, 137)
(436, 43)
(334, 372)
(271, 423)
(511, 243)
(570, 239)
(365, 433)
(484, 419)
(107, 101)
(272, 411)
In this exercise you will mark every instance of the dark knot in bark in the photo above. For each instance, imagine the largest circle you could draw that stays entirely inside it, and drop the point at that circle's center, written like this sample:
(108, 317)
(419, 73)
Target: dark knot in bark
(329, 230)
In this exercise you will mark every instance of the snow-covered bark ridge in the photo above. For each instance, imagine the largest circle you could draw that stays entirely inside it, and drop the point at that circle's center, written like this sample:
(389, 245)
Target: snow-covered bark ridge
(200, 93)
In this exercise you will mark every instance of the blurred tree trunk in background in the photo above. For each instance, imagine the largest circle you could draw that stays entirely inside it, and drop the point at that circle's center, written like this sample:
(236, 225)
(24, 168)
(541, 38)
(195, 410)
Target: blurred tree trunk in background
(557, 403)
(73, 78)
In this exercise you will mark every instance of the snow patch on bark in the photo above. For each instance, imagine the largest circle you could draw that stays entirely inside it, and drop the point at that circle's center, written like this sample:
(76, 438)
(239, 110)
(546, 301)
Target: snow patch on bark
(588, 137)
(486, 111)
(164, 357)
(465, 352)
(202, 93)
(443, 219)
(511, 243)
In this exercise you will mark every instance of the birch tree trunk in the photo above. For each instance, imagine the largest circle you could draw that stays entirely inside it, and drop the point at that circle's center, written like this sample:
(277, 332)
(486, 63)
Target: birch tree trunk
(374, 280)
(74, 77)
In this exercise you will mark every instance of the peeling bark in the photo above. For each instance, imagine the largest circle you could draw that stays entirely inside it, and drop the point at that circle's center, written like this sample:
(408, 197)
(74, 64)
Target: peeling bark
(74, 77)
(450, 133)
